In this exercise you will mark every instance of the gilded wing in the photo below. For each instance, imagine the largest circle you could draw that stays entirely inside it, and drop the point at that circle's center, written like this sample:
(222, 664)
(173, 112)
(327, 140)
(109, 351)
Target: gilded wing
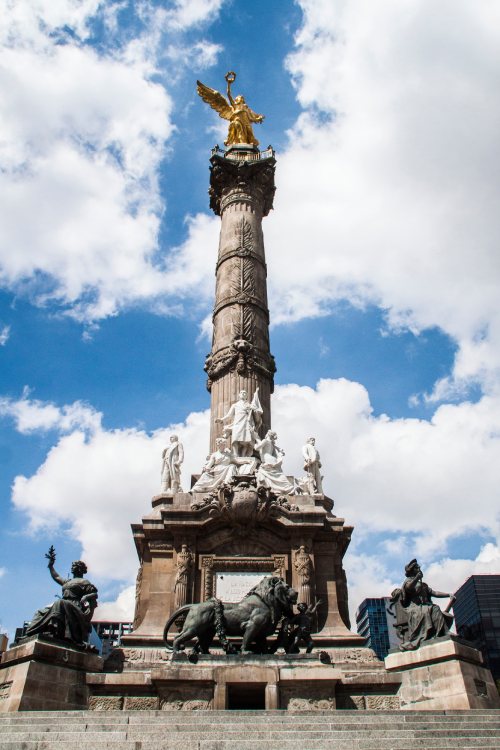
(216, 100)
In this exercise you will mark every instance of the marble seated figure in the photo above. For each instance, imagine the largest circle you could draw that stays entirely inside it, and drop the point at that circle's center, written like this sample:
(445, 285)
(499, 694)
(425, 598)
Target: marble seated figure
(270, 473)
(218, 470)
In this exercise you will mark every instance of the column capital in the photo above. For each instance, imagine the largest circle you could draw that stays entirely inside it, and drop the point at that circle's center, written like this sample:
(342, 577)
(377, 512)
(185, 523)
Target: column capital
(236, 179)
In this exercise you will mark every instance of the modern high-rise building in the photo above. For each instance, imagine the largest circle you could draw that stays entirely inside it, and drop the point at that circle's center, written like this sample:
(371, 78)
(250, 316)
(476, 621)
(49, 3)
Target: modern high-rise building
(376, 624)
(477, 617)
(110, 634)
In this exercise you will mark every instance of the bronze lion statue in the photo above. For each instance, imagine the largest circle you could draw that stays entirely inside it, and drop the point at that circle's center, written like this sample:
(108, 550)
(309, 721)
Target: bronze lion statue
(253, 619)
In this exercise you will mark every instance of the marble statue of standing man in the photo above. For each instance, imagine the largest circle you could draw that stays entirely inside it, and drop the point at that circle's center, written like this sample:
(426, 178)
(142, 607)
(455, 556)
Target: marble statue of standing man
(246, 418)
(312, 466)
(172, 458)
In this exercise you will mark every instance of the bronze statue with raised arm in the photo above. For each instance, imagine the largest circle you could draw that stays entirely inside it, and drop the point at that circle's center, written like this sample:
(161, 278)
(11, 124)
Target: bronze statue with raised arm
(235, 110)
(67, 618)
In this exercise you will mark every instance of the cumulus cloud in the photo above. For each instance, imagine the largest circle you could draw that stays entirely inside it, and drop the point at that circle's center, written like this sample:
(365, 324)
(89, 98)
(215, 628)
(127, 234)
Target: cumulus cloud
(83, 133)
(30, 415)
(119, 610)
(397, 153)
(95, 482)
(384, 474)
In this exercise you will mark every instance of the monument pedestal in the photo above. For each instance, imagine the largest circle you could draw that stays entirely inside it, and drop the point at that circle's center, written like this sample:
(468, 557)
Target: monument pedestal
(40, 675)
(444, 674)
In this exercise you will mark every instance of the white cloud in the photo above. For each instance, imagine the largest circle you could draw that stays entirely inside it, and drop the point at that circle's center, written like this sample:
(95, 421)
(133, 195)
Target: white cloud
(120, 610)
(2, 572)
(448, 574)
(95, 483)
(31, 415)
(391, 172)
(82, 135)
(187, 13)
(386, 475)
(4, 335)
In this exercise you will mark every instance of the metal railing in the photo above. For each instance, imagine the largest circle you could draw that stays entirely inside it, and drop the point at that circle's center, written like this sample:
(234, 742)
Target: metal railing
(241, 155)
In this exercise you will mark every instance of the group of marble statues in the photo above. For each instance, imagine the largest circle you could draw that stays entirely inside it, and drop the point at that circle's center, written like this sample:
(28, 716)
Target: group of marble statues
(240, 451)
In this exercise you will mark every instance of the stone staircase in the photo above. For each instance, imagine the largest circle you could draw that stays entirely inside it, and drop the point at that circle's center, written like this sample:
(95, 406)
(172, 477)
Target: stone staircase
(250, 730)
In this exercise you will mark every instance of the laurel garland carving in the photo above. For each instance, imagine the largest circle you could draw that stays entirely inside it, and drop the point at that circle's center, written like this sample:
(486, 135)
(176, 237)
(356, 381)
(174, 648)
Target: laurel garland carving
(242, 357)
(244, 236)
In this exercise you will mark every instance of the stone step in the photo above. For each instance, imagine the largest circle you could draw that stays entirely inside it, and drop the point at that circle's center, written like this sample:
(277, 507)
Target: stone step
(320, 744)
(337, 717)
(297, 725)
(238, 735)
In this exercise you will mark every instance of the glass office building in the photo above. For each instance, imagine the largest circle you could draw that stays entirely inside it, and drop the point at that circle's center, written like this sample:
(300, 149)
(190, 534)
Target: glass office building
(374, 623)
(477, 617)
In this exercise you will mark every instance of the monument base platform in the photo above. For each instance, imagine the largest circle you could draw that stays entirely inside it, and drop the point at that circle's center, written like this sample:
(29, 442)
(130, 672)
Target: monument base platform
(444, 674)
(42, 675)
(151, 678)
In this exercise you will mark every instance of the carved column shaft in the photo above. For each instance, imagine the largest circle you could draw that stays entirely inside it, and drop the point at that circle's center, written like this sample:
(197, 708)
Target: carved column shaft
(241, 193)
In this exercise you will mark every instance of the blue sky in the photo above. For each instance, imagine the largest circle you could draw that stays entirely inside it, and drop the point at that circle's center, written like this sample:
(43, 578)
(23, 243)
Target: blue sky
(382, 257)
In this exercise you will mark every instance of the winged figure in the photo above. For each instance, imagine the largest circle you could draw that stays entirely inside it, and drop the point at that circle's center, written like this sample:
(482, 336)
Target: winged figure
(235, 110)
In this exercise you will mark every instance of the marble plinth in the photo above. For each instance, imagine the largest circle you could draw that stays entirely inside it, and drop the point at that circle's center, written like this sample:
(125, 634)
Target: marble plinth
(444, 674)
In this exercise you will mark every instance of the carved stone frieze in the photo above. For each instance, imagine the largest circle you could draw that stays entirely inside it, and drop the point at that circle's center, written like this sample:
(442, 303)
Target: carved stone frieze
(352, 655)
(307, 697)
(156, 546)
(186, 698)
(242, 504)
(5, 690)
(141, 703)
(105, 702)
(349, 702)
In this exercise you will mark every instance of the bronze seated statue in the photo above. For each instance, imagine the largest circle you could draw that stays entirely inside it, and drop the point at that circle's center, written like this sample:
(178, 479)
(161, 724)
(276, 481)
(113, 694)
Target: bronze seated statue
(418, 619)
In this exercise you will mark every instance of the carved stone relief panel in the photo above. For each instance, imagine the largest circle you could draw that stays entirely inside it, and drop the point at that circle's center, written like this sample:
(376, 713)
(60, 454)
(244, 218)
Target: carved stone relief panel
(186, 698)
(307, 697)
(105, 702)
(141, 703)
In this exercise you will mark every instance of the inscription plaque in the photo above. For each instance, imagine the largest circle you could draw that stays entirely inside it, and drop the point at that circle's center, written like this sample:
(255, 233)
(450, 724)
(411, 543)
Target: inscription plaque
(232, 587)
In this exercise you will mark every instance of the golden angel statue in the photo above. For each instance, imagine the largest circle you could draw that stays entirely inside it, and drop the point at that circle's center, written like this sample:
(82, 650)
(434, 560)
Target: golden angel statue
(236, 110)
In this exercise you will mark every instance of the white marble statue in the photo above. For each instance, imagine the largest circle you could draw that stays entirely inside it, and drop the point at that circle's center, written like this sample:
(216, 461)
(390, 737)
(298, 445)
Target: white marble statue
(246, 418)
(270, 473)
(312, 482)
(172, 458)
(218, 469)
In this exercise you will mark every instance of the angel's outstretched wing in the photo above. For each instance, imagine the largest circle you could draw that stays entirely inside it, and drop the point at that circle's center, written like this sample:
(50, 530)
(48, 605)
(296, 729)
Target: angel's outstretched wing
(216, 100)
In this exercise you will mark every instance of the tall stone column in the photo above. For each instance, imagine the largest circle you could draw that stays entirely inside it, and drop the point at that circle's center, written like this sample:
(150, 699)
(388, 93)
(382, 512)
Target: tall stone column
(241, 193)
